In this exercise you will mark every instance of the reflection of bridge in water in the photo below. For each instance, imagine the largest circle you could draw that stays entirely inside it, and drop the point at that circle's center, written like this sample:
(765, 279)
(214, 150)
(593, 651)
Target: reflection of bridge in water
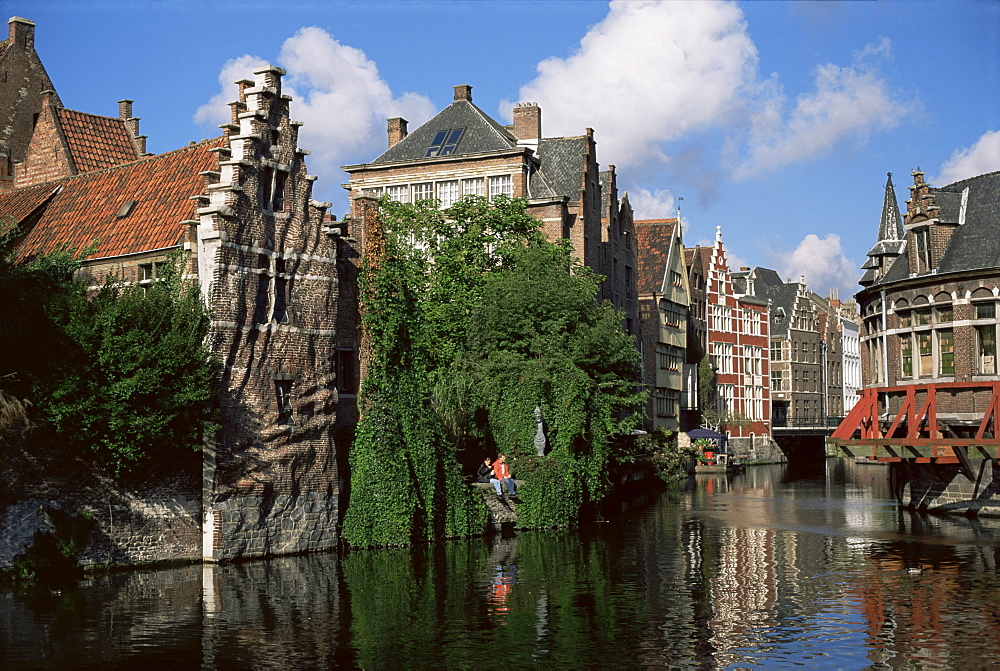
(939, 438)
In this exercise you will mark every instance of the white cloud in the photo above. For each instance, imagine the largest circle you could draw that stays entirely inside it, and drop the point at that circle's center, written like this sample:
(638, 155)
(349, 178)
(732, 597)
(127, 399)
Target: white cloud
(980, 158)
(339, 96)
(658, 204)
(650, 72)
(821, 261)
(845, 103)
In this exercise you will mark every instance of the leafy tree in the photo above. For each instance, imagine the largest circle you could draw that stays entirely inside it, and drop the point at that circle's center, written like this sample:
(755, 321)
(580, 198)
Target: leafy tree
(135, 379)
(472, 320)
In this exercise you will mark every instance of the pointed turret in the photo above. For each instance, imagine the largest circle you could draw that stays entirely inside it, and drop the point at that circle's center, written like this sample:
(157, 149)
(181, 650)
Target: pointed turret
(891, 238)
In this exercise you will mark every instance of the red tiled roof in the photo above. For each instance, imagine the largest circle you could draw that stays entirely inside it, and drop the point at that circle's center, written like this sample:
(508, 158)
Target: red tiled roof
(653, 239)
(96, 142)
(85, 211)
(18, 205)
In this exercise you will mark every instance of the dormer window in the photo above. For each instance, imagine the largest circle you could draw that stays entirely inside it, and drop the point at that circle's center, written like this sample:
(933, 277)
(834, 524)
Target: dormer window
(444, 142)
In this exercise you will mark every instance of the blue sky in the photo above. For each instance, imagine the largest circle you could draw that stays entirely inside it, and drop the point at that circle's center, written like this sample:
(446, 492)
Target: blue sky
(777, 121)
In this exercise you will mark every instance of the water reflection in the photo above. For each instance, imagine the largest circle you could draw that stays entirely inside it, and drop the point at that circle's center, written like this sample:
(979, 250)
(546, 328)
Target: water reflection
(774, 567)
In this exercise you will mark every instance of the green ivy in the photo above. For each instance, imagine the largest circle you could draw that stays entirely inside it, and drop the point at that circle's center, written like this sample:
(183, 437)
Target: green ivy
(471, 320)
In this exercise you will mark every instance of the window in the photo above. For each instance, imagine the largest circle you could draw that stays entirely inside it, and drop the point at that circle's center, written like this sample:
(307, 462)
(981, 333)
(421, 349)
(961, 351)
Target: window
(986, 310)
(943, 314)
(474, 187)
(925, 350)
(279, 314)
(946, 349)
(906, 352)
(922, 317)
(444, 142)
(628, 283)
(347, 381)
(777, 381)
(423, 191)
(126, 209)
(447, 193)
(273, 189)
(283, 395)
(986, 345)
(263, 299)
(923, 238)
(399, 193)
(501, 184)
(776, 351)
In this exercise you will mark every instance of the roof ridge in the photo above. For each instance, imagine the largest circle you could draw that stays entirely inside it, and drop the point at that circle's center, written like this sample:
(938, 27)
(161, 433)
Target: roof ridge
(91, 114)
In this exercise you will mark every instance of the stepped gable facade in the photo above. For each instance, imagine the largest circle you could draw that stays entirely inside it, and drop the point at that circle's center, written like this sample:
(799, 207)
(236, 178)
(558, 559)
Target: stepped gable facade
(737, 339)
(463, 151)
(23, 80)
(664, 296)
(240, 210)
(931, 286)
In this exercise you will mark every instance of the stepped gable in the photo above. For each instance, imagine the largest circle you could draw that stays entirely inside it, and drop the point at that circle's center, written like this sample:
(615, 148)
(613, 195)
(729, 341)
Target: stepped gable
(95, 142)
(480, 133)
(88, 207)
(974, 245)
(653, 240)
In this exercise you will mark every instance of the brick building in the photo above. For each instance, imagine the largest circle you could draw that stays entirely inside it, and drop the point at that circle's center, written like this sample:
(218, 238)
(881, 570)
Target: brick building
(737, 340)
(23, 80)
(930, 289)
(664, 296)
(462, 151)
(240, 209)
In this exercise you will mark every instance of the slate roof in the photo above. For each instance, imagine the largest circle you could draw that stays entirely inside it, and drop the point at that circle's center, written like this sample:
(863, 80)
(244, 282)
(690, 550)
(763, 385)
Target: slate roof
(975, 244)
(653, 243)
(481, 134)
(95, 142)
(84, 212)
(562, 165)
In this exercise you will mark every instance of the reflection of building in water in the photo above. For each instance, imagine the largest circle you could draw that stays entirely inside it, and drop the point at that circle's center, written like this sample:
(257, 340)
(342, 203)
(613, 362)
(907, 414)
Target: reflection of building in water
(933, 608)
(744, 589)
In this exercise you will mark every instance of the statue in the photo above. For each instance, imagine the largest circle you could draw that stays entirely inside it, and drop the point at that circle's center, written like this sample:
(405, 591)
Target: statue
(539, 433)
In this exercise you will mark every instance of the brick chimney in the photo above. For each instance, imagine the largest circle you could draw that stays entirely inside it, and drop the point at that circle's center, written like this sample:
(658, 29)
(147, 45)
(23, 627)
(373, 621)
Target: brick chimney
(21, 32)
(397, 130)
(132, 124)
(463, 92)
(527, 121)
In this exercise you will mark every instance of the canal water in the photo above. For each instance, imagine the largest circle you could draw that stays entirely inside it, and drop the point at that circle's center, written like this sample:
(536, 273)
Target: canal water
(770, 568)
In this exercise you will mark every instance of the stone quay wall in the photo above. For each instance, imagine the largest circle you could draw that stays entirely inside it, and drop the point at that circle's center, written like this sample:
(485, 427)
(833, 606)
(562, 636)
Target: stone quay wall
(943, 488)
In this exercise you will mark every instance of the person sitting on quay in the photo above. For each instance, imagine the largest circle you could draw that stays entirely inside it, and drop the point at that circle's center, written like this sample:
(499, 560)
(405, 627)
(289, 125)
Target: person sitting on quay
(501, 473)
(485, 474)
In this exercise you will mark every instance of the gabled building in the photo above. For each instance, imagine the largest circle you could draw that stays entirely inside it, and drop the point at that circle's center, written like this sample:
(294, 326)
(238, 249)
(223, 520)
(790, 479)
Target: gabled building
(798, 394)
(23, 81)
(239, 209)
(463, 151)
(929, 300)
(664, 296)
(737, 338)
(928, 304)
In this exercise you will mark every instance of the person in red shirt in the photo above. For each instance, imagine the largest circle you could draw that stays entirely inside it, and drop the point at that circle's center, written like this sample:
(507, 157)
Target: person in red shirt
(501, 471)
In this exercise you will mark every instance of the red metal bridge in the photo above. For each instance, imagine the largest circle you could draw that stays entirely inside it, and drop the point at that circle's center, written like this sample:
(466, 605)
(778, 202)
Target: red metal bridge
(937, 423)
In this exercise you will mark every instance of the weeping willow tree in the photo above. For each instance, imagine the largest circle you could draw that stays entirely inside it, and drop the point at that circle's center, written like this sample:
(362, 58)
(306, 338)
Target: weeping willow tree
(472, 319)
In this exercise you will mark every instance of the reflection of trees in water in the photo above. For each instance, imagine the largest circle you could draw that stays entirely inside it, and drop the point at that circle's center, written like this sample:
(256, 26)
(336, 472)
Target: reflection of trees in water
(553, 598)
